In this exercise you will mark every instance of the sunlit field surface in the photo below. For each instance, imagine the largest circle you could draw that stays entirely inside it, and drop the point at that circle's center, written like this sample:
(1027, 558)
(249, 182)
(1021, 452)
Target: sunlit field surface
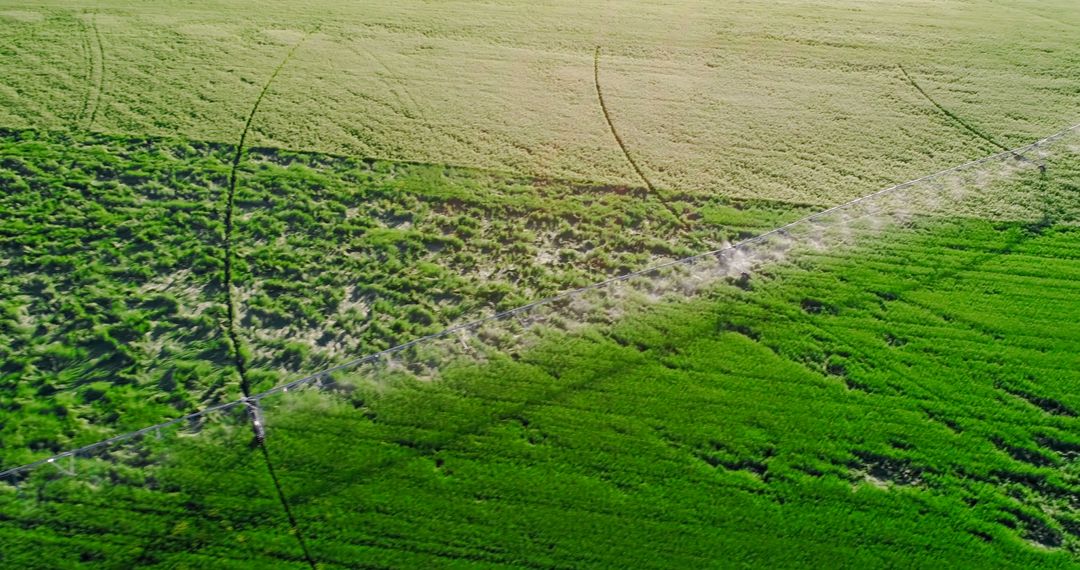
(200, 202)
(794, 101)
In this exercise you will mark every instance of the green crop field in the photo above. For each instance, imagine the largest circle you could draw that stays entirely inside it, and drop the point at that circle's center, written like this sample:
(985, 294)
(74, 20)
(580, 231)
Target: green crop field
(910, 400)
(203, 201)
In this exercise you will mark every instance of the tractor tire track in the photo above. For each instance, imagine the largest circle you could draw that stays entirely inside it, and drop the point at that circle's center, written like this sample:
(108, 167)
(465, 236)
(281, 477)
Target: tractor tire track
(232, 331)
(622, 144)
(398, 89)
(88, 76)
(229, 222)
(99, 87)
(956, 118)
(1033, 14)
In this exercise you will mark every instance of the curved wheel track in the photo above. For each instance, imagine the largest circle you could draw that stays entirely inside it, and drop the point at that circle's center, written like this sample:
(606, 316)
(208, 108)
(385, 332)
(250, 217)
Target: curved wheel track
(953, 116)
(230, 302)
(622, 144)
(98, 65)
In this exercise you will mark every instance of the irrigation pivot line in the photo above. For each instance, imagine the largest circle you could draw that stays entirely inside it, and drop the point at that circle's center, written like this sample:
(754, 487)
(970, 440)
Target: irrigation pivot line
(316, 378)
(155, 429)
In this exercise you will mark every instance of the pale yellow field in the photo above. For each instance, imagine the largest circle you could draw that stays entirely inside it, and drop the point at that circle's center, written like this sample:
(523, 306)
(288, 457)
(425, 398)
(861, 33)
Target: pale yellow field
(798, 101)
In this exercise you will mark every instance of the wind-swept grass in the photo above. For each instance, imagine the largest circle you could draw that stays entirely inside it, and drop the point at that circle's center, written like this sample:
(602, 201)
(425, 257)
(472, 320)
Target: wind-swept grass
(905, 401)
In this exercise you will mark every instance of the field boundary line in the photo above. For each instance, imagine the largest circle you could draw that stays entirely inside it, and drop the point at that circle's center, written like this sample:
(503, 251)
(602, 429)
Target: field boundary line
(622, 144)
(323, 374)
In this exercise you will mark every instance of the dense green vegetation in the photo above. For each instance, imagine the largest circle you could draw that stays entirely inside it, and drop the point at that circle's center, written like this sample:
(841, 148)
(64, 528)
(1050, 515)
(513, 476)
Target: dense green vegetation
(113, 300)
(914, 399)
(108, 285)
(340, 256)
(199, 201)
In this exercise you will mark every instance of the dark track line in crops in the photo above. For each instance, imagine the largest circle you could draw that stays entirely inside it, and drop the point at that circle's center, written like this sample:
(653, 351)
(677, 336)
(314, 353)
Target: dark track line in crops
(1036, 15)
(100, 88)
(230, 303)
(954, 117)
(976, 261)
(241, 363)
(505, 314)
(285, 506)
(404, 89)
(88, 77)
(932, 396)
(554, 392)
(622, 145)
(923, 283)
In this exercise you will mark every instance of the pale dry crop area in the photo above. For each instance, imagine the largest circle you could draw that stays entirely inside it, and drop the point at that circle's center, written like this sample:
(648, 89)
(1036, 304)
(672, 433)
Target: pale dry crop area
(794, 101)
